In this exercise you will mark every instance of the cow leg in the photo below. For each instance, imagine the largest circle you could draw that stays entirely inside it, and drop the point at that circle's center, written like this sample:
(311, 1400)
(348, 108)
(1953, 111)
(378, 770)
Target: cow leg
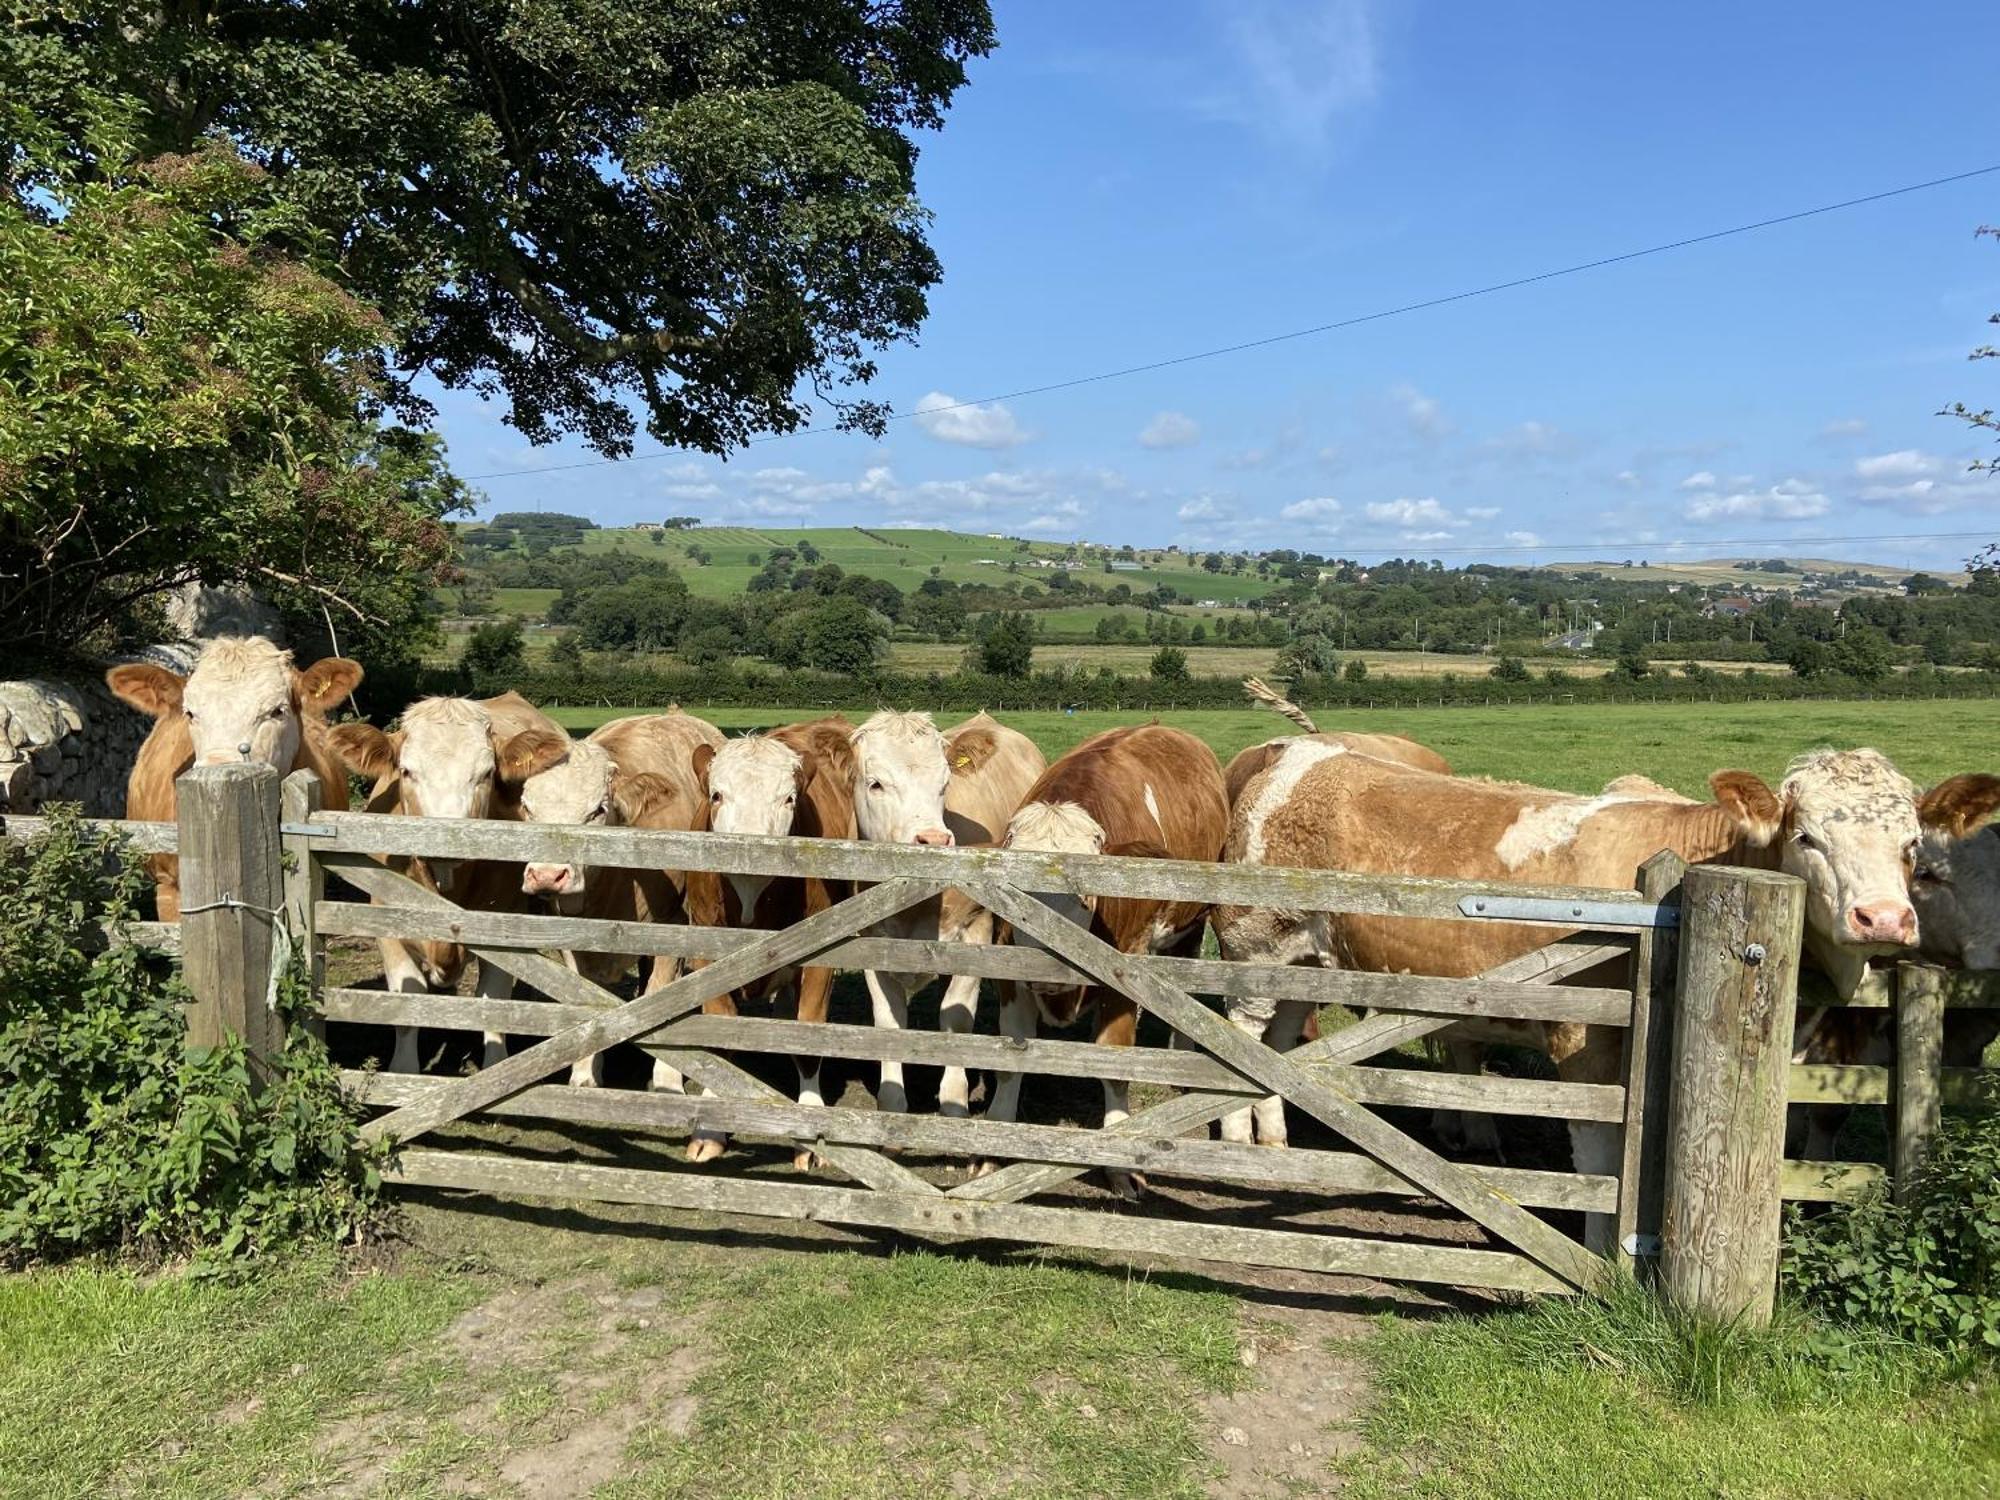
(403, 975)
(1118, 1026)
(1467, 1130)
(1017, 1024)
(956, 1013)
(707, 1145)
(815, 991)
(1253, 1017)
(1280, 1036)
(663, 971)
(1596, 1147)
(585, 1072)
(494, 983)
(889, 997)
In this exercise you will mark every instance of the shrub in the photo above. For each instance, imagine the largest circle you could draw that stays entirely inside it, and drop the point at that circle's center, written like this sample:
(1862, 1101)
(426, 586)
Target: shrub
(1926, 1269)
(113, 1133)
(1511, 669)
(1169, 665)
(1004, 645)
(496, 650)
(1356, 670)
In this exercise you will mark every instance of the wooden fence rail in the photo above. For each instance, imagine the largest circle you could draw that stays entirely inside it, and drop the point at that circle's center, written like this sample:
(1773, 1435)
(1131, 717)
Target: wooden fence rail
(256, 858)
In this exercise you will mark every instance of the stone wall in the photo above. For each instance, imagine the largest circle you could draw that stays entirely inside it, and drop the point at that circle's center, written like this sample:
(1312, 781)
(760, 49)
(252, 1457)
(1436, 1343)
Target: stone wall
(66, 742)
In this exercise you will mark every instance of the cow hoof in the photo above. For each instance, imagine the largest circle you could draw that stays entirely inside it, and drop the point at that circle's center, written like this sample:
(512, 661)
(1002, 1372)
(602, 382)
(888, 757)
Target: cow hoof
(582, 1081)
(705, 1148)
(1280, 1144)
(1130, 1186)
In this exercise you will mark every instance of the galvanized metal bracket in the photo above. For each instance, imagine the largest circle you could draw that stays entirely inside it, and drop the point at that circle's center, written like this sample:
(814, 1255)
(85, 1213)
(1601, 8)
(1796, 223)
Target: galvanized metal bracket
(308, 830)
(1595, 914)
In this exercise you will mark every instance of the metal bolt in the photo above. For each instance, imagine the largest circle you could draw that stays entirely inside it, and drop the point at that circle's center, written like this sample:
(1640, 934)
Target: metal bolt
(1754, 954)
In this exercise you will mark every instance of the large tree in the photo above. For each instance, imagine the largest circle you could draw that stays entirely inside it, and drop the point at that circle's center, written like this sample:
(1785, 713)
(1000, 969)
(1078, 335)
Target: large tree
(181, 399)
(570, 203)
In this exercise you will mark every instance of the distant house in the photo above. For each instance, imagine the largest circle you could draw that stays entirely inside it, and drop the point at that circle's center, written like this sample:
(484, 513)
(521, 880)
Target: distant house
(1128, 567)
(1208, 604)
(647, 526)
(1735, 607)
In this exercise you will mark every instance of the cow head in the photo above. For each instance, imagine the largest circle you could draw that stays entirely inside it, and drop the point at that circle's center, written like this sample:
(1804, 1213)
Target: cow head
(1844, 822)
(900, 779)
(244, 701)
(584, 787)
(753, 785)
(445, 762)
(1956, 883)
(1056, 828)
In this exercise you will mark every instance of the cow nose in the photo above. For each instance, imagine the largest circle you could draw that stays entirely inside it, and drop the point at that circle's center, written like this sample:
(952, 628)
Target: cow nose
(936, 838)
(1884, 922)
(542, 880)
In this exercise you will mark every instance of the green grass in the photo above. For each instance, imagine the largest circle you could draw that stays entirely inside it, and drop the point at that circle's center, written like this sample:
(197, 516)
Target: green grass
(1581, 1398)
(1572, 748)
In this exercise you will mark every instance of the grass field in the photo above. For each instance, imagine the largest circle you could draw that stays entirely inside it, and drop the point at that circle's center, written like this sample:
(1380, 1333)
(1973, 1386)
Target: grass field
(1571, 748)
(544, 1354)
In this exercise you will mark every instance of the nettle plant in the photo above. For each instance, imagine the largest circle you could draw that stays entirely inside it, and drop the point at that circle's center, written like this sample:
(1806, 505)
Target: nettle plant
(114, 1134)
(1926, 1269)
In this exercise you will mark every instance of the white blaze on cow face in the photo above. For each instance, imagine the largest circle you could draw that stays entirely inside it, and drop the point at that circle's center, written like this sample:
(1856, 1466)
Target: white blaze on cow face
(1850, 832)
(577, 789)
(900, 779)
(445, 765)
(239, 705)
(1056, 828)
(1957, 894)
(754, 786)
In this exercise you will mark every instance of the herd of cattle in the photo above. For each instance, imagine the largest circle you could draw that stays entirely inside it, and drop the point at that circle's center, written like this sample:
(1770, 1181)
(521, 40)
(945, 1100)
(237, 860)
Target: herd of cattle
(1888, 869)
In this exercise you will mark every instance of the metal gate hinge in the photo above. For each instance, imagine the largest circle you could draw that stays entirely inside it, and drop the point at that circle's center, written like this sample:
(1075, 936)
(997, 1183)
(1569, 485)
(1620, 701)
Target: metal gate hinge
(308, 830)
(1577, 913)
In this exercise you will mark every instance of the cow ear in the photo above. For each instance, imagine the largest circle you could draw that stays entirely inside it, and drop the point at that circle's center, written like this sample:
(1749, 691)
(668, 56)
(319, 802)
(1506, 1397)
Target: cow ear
(363, 749)
(704, 757)
(1753, 805)
(326, 684)
(1139, 849)
(642, 799)
(970, 750)
(531, 752)
(152, 690)
(1959, 806)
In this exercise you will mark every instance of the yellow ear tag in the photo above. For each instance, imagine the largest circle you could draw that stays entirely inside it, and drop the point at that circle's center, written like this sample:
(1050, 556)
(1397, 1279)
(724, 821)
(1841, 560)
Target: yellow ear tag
(965, 760)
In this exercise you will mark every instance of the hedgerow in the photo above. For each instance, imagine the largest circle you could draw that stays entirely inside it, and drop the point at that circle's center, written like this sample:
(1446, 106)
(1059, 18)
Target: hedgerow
(114, 1134)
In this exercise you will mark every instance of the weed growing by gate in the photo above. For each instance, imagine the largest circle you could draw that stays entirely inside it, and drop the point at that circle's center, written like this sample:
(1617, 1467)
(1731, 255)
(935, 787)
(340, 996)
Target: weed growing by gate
(1926, 1269)
(115, 1135)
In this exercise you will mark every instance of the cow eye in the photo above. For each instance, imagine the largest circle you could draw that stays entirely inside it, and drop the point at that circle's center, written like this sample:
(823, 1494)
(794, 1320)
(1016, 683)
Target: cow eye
(875, 786)
(1805, 840)
(1925, 875)
(276, 713)
(188, 714)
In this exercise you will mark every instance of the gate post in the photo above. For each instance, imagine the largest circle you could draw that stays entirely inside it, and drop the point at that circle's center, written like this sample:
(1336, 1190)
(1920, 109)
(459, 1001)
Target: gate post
(232, 895)
(1919, 1061)
(1733, 1019)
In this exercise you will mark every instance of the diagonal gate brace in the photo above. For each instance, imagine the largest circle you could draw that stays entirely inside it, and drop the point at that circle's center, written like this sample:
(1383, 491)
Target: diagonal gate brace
(1274, 1071)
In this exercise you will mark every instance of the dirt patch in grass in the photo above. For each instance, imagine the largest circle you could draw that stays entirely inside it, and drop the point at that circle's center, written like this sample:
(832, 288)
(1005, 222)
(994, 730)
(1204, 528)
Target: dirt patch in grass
(1278, 1433)
(536, 1391)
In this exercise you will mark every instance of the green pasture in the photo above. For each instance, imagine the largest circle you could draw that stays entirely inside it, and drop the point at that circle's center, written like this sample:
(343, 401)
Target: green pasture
(1573, 748)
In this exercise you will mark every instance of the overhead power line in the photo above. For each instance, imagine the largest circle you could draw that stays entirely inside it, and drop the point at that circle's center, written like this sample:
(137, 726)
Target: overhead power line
(1658, 547)
(1316, 329)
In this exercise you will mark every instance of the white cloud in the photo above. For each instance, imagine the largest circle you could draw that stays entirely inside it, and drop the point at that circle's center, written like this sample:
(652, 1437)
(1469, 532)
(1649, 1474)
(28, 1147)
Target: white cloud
(1529, 441)
(769, 507)
(1845, 427)
(1170, 429)
(1904, 463)
(1482, 512)
(1248, 458)
(968, 423)
(1524, 539)
(1425, 416)
(688, 491)
(1293, 69)
(1628, 478)
(1788, 500)
(1411, 512)
(1700, 480)
(1427, 536)
(1202, 509)
(1321, 509)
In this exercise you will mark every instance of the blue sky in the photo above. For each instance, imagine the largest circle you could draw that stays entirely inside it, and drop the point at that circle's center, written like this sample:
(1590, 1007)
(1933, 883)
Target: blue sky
(1125, 182)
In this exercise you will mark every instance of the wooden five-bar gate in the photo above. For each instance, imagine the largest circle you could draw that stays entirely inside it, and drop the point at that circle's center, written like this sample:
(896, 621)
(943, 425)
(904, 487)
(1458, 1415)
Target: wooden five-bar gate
(1702, 967)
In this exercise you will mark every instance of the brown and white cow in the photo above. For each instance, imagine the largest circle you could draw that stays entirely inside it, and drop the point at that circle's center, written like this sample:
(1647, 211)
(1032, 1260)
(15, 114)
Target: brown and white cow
(637, 773)
(1844, 821)
(1149, 791)
(452, 758)
(244, 701)
(915, 784)
(797, 781)
(1956, 882)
